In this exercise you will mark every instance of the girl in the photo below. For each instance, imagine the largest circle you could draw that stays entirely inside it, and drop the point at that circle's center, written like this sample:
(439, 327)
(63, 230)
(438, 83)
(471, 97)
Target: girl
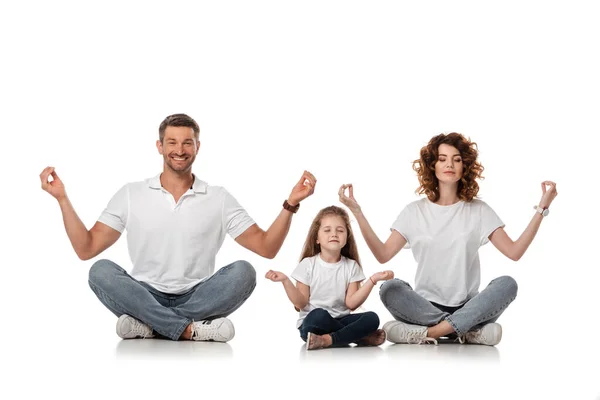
(327, 286)
(445, 231)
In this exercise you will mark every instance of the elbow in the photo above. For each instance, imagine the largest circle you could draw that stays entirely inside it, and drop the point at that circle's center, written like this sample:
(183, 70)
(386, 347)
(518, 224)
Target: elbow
(269, 254)
(84, 256)
(300, 306)
(382, 259)
(515, 256)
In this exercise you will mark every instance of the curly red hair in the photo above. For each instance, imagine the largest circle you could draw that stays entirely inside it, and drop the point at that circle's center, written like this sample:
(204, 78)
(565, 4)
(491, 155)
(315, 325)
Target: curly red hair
(472, 169)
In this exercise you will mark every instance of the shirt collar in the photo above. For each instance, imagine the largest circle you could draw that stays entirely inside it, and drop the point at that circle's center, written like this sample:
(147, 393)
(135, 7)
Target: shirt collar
(198, 186)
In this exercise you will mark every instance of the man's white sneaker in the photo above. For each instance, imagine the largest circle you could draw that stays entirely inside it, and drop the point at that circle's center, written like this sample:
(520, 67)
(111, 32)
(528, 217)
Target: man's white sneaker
(216, 330)
(400, 332)
(489, 334)
(130, 328)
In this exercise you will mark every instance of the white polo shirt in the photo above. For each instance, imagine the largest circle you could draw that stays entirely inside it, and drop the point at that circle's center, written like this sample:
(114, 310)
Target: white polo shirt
(173, 246)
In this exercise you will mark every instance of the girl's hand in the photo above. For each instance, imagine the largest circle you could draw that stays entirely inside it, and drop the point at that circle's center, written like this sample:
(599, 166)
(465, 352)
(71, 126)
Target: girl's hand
(276, 276)
(349, 201)
(383, 276)
(549, 194)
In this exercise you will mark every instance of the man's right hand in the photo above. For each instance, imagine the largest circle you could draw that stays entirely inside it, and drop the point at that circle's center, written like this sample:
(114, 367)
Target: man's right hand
(56, 188)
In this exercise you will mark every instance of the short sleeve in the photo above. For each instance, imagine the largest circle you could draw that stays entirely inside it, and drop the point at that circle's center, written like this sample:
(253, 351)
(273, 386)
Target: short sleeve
(116, 212)
(356, 272)
(489, 222)
(403, 224)
(303, 271)
(235, 218)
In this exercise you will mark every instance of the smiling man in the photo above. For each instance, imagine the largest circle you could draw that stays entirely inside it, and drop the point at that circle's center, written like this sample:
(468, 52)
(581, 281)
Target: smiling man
(175, 223)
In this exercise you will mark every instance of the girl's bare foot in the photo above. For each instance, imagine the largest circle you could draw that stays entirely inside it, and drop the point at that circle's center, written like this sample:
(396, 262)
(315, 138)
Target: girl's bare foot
(314, 341)
(376, 338)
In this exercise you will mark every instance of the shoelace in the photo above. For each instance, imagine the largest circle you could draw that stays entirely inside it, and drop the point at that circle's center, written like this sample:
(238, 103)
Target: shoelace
(208, 332)
(141, 329)
(462, 339)
(414, 337)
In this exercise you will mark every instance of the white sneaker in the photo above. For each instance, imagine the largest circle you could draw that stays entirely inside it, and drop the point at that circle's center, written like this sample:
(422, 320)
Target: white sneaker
(216, 330)
(130, 328)
(490, 335)
(400, 332)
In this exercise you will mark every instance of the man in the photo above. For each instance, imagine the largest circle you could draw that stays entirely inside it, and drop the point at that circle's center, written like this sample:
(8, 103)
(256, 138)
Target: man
(176, 224)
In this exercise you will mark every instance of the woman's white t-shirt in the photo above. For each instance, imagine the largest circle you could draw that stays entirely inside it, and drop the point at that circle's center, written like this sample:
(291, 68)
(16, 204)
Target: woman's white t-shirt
(445, 241)
(328, 283)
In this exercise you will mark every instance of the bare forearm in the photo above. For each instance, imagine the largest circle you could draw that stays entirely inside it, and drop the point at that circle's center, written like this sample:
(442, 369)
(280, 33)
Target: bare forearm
(78, 234)
(376, 246)
(523, 242)
(359, 297)
(275, 235)
(296, 297)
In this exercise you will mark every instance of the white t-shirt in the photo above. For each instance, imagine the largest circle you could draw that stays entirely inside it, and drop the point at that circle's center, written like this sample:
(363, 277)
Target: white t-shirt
(445, 241)
(172, 246)
(328, 284)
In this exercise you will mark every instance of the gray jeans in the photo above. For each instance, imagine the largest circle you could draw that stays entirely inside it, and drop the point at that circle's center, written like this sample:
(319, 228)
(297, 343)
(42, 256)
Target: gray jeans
(407, 306)
(169, 314)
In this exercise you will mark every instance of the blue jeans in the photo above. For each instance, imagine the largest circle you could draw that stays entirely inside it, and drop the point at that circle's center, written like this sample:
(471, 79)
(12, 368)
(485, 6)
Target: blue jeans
(169, 314)
(407, 306)
(343, 330)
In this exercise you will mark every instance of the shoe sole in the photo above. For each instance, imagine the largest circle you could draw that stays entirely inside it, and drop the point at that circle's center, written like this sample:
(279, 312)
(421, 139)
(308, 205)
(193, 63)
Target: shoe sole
(308, 340)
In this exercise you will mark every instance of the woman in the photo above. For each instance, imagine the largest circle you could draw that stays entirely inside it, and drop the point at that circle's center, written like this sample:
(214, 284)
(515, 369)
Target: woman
(445, 231)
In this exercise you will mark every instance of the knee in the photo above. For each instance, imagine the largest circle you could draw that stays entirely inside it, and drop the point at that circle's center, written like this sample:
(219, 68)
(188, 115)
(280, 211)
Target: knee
(243, 273)
(101, 272)
(318, 314)
(392, 287)
(509, 284)
(371, 320)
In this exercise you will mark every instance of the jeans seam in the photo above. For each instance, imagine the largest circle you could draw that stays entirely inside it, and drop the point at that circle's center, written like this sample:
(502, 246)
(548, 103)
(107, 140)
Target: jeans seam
(492, 315)
(449, 319)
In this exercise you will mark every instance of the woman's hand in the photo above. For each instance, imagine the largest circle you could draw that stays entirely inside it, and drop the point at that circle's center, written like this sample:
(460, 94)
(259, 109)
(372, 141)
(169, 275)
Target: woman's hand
(548, 194)
(349, 201)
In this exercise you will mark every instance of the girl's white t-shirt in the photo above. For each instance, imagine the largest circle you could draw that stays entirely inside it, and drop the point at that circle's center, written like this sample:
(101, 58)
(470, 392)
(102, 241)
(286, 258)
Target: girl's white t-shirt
(328, 283)
(445, 241)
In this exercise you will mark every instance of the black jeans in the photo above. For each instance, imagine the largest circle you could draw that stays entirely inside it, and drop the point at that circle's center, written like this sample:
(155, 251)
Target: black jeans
(343, 330)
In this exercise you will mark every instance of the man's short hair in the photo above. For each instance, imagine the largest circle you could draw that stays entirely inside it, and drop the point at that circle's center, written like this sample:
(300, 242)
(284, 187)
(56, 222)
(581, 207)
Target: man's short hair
(178, 120)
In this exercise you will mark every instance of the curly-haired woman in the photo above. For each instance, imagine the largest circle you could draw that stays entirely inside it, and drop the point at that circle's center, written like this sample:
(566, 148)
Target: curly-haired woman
(444, 231)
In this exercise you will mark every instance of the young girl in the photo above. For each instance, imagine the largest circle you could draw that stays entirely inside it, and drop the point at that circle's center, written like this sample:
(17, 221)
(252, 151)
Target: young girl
(328, 286)
(444, 232)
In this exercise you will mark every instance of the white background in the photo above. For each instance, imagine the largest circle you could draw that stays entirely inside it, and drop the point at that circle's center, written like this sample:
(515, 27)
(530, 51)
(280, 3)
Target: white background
(347, 90)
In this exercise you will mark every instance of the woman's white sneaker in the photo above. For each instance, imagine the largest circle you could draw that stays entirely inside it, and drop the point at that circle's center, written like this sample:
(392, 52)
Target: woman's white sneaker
(489, 334)
(216, 330)
(131, 328)
(400, 332)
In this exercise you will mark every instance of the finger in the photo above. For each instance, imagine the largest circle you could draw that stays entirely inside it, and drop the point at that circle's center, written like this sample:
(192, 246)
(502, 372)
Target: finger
(44, 171)
(55, 176)
(351, 191)
(543, 188)
(311, 176)
(310, 181)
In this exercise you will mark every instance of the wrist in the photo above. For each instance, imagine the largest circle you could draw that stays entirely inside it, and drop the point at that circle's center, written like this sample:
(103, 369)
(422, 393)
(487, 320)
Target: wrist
(63, 200)
(291, 206)
(373, 281)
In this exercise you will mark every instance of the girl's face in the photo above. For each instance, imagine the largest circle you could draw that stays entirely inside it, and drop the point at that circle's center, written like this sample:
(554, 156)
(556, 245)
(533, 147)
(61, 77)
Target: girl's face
(332, 234)
(449, 165)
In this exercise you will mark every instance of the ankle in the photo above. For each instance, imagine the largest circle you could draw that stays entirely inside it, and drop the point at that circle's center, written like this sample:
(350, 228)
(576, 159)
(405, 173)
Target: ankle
(187, 333)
